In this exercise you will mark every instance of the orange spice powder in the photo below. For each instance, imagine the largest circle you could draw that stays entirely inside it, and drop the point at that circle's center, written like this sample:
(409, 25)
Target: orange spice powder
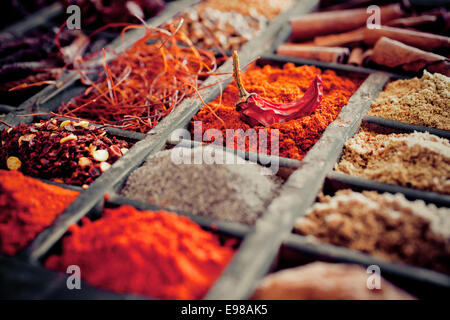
(155, 254)
(282, 85)
(27, 207)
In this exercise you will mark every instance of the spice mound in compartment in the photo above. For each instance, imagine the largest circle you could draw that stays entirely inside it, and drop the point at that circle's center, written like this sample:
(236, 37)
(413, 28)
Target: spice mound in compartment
(236, 192)
(155, 254)
(325, 281)
(27, 207)
(423, 101)
(385, 225)
(227, 25)
(70, 152)
(281, 85)
(417, 160)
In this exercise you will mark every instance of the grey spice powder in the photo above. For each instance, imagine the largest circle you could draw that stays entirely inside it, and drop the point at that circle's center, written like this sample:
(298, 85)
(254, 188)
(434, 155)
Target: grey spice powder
(232, 192)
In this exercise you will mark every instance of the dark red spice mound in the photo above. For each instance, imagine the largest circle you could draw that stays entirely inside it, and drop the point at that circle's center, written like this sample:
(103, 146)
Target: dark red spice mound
(71, 152)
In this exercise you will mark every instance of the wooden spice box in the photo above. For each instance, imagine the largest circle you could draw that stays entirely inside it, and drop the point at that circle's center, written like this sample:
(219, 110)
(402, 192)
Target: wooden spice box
(270, 244)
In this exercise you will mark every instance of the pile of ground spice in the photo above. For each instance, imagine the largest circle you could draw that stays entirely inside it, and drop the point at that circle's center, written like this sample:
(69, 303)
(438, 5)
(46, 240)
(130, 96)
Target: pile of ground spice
(27, 207)
(384, 225)
(236, 192)
(72, 152)
(155, 254)
(281, 85)
(417, 160)
(325, 281)
(423, 101)
(214, 29)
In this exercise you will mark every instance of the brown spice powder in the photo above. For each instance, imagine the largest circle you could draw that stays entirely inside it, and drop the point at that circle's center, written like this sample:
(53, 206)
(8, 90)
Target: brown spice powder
(387, 226)
(417, 160)
(423, 101)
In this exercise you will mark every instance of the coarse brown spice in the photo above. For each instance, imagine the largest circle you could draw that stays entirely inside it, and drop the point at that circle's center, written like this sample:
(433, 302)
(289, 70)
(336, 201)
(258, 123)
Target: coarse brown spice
(424, 101)
(268, 8)
(227, 25)
(417, 160)
(384, 225)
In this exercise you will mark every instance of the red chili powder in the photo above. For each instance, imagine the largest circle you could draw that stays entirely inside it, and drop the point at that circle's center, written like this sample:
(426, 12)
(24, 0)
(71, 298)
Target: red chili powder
(27, 207)
(283, 85)
(156, 254)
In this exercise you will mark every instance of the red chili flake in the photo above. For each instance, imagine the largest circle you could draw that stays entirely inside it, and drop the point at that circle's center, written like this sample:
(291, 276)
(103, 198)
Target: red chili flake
(114, 151)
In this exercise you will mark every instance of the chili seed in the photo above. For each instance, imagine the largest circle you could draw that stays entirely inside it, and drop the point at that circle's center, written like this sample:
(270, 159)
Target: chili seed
(70, 137)
(13, 163)
(100, 155)
(104, 166)
(83, 162)
(83, 124)
(64, 123)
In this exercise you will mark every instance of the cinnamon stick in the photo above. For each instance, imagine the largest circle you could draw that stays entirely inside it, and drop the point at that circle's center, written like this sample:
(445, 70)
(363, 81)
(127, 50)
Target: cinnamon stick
(393, 54)
(326, 54)
(356, 57)
(340, 39)
(413, 21)
(422, 40)
(323, 23)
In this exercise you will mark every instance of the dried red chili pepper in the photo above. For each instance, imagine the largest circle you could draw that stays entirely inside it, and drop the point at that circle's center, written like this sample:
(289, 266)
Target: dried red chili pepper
(257, 110)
